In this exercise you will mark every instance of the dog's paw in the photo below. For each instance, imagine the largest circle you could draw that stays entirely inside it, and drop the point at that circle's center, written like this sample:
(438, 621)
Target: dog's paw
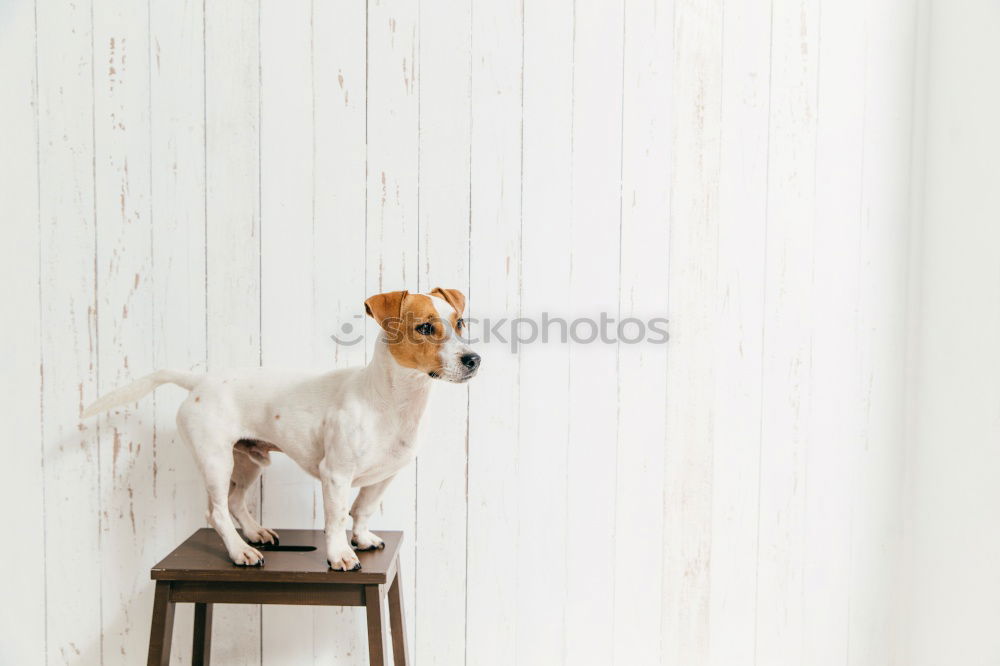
(343, 561)
(248, 556)
(261, 536)
(367, 541)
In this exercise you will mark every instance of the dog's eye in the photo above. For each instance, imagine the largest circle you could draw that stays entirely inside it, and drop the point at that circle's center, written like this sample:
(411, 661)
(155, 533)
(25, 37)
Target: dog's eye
(425, 329)
(460, 324)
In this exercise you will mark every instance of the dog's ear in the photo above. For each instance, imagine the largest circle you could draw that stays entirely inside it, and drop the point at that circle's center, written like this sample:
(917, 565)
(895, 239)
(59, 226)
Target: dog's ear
(385, 307)
(452, 297)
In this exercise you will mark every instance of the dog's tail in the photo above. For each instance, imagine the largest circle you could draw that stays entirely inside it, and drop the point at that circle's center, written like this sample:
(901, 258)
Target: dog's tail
(139, 388)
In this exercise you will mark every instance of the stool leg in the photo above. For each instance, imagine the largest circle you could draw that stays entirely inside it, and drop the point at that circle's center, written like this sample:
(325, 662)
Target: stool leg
(201, 652)
(378, 646)
(397, 621)
(162, 627)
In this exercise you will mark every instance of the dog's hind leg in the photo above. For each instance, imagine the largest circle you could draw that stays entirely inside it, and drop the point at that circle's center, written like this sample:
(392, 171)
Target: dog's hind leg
(246, 471)
(214, 453)
(218, 472)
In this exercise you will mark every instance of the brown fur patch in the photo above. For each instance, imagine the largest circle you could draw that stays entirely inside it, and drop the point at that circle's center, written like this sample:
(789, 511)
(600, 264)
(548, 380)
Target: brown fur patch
(259, 452)
(400, 314)
(452, 297)
(410, 348)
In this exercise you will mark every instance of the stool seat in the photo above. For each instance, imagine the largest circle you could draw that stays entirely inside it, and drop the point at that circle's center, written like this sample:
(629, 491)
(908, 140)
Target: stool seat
(300, 557)
(295, 572)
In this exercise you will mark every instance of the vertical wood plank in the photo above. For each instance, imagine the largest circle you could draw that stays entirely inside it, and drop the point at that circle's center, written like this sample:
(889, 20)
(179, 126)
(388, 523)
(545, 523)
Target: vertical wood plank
(177, 155)
(232, 174)
(125, 316)
(444, 215)
(885, 223)
(788, 336)
(645, 210)
(836, 410)
(288, 333)
(594, 293)
(693, 279)
(22, 478)
(543, 368)
(739, 299)
(919, 627)
(69, 331)
(494, 292)
(391, 232)
(232, 148)
(339, 196)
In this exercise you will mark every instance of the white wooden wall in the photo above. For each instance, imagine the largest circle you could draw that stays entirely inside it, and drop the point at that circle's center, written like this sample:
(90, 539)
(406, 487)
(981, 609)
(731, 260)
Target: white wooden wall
(222, 183)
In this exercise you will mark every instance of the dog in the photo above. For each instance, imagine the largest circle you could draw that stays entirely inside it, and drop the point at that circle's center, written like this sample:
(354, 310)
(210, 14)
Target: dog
(354, 427)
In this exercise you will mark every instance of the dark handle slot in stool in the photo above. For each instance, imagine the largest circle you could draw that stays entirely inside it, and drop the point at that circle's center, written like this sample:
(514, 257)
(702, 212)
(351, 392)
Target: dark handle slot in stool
(199, 572)
(270, 547)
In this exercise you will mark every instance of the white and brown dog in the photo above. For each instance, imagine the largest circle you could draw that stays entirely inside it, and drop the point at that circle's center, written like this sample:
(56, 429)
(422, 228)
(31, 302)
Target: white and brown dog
(348, 428)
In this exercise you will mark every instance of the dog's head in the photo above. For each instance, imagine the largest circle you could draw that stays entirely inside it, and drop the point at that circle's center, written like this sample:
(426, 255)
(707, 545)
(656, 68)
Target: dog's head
(422, 331)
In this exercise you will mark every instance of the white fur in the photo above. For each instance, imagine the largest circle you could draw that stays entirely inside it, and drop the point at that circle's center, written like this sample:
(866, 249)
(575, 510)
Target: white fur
(349, 428)
(453, 348)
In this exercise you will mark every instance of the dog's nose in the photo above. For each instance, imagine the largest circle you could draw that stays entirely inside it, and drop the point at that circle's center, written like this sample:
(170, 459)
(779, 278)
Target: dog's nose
(471, 361)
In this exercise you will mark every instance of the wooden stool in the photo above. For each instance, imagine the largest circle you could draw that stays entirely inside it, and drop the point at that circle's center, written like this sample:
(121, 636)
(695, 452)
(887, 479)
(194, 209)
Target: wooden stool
(200, 572)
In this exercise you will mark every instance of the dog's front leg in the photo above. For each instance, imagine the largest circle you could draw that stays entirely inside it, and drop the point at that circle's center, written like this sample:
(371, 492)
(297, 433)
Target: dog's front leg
(364, 506)
(336, 500)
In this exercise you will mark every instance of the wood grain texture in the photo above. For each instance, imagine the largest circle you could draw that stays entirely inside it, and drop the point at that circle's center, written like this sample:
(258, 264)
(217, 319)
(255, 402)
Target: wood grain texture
(594, 289)
(125, 311)
(886, 218)
(789, 312)
(691, 366)
(224, 183)
(22, 625)
(494, 291)
(642, 367)
(740, 316)
(445, 69)
(543, 370)
(835, 418)
(72, 494)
